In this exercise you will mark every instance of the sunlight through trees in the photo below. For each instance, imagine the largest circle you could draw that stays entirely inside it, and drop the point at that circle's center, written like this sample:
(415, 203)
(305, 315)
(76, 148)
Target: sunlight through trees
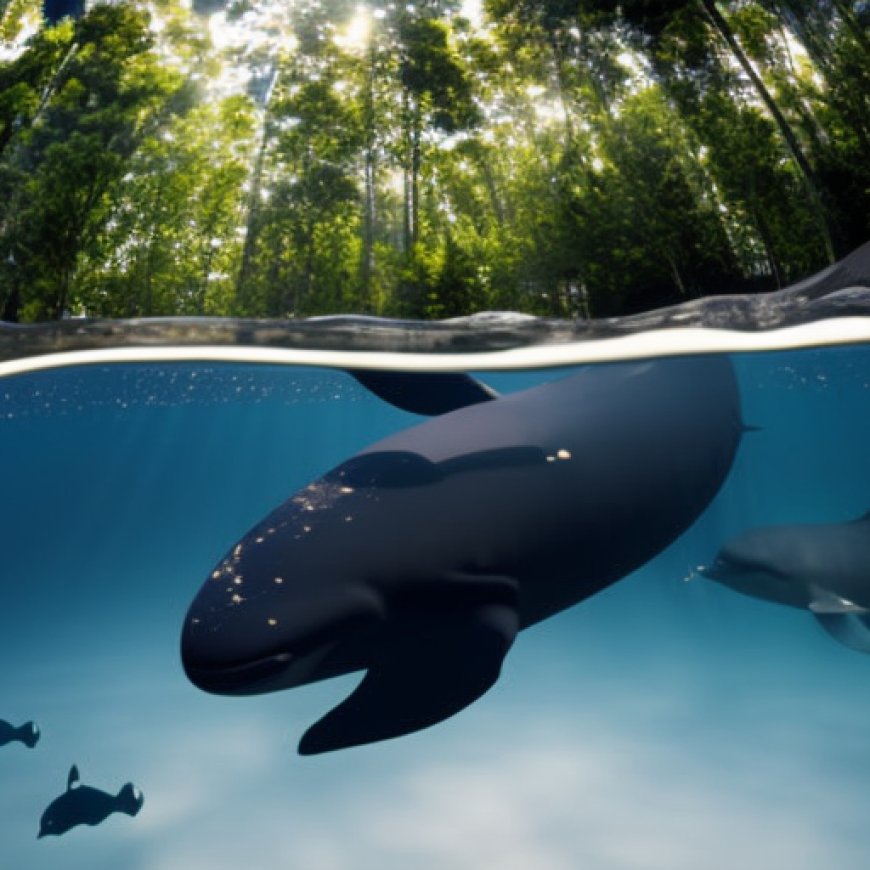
(293, 157)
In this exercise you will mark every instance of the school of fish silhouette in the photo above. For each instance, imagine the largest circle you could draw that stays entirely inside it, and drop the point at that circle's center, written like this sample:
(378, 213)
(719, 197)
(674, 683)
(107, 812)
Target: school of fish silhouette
(79, 804)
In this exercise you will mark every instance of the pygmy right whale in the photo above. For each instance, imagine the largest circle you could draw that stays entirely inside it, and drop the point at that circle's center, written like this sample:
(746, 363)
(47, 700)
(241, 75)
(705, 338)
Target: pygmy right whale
(28, 733)
(85, 805)
(823, 568)
(421, 557)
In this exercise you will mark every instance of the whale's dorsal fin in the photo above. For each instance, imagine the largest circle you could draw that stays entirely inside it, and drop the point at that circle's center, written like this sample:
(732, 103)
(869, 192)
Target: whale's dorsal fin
(850, 629)
(441, 650)
(73, 780)
(429, 393)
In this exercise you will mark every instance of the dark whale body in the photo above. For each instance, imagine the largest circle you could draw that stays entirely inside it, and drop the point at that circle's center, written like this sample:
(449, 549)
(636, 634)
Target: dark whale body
(420, 558)
(28, 733)
(85, 805)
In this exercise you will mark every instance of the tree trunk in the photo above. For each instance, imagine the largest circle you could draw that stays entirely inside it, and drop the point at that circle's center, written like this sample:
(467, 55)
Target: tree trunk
(11, 306)
(675, 271)
(367, 255)
(498, 208)
(558, 60)
(794, 147)
(764, 235)
(252, 224)
(51, 87)
(148, 280)
(252, 228)
(406, 174)
(415, 183)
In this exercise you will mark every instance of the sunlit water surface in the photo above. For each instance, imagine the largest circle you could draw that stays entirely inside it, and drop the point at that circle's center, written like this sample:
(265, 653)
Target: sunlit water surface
(666, 723)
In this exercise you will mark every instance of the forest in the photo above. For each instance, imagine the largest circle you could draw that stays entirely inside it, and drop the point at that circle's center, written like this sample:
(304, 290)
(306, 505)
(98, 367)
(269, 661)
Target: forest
(287, 158)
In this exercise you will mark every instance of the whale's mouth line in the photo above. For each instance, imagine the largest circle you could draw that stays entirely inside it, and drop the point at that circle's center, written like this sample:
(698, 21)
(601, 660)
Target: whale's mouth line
(754, 578)
(264, 674)
(236, 679)
(726, 566)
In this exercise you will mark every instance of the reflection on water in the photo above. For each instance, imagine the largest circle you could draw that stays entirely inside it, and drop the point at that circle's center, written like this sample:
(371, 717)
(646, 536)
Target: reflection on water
(657, 724)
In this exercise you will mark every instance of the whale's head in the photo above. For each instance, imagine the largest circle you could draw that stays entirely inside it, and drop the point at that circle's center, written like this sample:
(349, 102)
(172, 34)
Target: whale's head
(129, 800)
(30, 734)
(761, 563)
(333, 582)
(286, 605)
(52, 824)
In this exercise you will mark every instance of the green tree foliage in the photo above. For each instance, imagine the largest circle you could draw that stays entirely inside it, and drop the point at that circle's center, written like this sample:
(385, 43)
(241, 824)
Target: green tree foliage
(571, 158)
(102, 93)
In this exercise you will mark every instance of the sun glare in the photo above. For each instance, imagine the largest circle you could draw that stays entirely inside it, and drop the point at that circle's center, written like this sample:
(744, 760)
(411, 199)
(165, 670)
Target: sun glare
(473, 11)
(356, 35)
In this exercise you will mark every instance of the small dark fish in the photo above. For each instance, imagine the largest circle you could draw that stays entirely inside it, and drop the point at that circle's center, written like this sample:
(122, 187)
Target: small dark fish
(84, 805)
(28, 733)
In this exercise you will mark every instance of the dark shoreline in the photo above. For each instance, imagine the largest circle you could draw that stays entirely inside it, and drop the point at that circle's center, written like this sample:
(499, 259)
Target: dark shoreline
(842, 290)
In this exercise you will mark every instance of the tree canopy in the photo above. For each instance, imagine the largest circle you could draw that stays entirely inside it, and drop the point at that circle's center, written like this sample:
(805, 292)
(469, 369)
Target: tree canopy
(293, 157)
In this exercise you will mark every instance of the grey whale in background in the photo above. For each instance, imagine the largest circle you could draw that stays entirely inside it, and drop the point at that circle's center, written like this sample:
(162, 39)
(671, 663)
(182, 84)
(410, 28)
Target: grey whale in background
(822, 568)
(419, 558)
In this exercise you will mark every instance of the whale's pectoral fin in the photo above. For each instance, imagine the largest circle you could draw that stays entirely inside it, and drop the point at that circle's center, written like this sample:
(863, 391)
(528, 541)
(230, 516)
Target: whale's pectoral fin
(429, 393)
(439, 654)
(850, 629)
(827, 602)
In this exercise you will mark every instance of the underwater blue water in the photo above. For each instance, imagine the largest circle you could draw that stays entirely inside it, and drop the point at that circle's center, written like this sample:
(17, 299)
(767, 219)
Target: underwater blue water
(666, 723)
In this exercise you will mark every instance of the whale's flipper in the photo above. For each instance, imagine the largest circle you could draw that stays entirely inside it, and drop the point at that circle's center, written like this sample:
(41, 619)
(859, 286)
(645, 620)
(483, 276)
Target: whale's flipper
(438, 656)
(827, 602)
(850, 629)
(429, 393)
